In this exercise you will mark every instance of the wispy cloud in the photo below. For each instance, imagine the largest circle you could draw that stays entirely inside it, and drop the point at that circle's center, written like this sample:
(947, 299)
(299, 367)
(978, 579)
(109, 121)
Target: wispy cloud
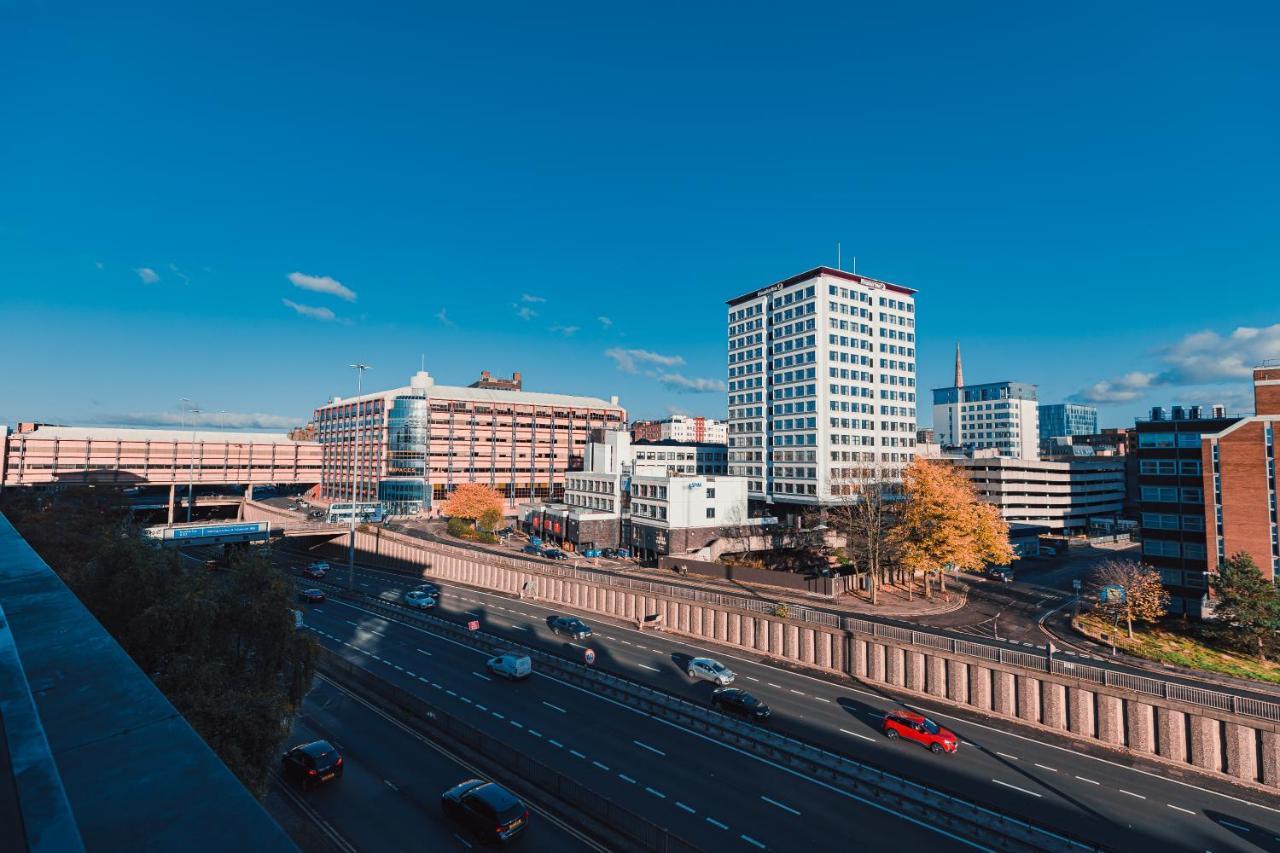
(315, 312)
(214, 420)
(443, 317)
(524, 312)
(567, 331)
(1202, 358)
(99, 264)
(147, 275)
(627, 360)
(605, 321)
(685, 385)
(531, 299)
(322, 284)
(173, 268)
(676, 410)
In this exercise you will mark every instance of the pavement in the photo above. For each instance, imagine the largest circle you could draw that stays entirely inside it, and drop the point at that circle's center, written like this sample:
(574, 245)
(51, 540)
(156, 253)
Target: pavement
(721, 799)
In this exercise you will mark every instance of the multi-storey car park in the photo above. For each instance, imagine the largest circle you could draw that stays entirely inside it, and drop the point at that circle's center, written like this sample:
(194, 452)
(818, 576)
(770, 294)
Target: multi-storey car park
(822, 384)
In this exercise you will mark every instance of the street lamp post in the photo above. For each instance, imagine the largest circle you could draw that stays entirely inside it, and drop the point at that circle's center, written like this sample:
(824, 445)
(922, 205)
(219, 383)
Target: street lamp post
(191, 472)
(360, 368)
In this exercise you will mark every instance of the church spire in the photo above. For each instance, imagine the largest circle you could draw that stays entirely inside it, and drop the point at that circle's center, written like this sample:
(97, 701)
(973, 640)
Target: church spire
(959, 368)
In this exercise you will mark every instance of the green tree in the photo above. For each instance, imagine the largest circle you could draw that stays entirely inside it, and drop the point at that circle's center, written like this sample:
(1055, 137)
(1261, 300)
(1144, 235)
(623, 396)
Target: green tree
(490, 520)
(1248, 603)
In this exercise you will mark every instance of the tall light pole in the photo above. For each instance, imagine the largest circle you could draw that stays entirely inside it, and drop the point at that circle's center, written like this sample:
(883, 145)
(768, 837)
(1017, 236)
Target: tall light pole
(191, 473)
(360, 368)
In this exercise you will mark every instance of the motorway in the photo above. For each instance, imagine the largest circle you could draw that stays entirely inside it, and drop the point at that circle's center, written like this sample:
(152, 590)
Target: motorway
(389, 795)
(696, 787)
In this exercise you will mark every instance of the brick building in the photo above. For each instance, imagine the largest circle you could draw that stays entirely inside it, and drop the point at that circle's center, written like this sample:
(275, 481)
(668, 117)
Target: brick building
(1239, 481)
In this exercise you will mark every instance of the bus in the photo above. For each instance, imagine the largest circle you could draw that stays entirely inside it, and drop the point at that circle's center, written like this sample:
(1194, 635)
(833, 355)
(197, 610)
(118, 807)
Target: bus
(366, 513)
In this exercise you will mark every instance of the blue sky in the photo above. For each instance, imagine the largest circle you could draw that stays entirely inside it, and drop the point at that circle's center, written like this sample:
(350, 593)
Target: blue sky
(1086, 197)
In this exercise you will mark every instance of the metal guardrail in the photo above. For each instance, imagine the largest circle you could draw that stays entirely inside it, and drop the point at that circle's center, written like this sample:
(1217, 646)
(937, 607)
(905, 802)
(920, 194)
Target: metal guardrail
(1150, 686)
(932, 805)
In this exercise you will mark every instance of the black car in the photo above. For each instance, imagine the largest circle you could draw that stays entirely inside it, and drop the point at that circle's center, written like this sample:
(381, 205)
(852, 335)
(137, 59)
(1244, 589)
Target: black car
(740, 703)
(312, 764)
(570, 625)
(312, 596)
(555, 554)
(430, 589)
(490, 811)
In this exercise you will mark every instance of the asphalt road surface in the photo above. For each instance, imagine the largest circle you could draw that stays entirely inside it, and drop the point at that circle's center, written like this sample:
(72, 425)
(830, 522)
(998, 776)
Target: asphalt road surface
(694, 786)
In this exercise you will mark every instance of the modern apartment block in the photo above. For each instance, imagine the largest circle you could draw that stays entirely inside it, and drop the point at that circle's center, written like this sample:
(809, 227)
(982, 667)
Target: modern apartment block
(1062, 496)
(681, 428)
(1239, 464)
(1171, 504)
(413, 445)
(995, 415)
(681, 457)
(1059, 419)
(822, 384)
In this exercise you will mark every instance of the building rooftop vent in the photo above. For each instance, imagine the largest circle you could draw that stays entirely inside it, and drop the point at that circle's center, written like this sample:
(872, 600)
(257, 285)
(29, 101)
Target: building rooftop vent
(1219, 410)
(1157, 413)
(1179, 413)
(1196, 413)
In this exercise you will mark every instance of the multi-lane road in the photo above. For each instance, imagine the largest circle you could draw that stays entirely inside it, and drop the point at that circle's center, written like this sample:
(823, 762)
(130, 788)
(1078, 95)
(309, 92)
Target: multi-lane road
(719, 798)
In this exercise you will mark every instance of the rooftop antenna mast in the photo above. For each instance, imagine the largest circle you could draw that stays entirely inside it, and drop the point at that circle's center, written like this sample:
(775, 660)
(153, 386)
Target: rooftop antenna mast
(837, 254)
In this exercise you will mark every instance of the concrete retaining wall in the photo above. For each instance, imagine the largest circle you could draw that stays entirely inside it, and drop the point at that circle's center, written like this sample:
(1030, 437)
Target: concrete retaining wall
(1243, 748)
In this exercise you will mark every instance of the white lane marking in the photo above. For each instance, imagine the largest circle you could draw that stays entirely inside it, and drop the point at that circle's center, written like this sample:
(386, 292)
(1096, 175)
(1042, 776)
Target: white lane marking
(689, 809)
(463, 840)
(715, 822)
(656, 793)
(771, 684)
(783, 806)
(609, 636)
(625, 778)
(481, 675)
(798, 692)
(390, 784)
(411, 674)
(465, 699)
(480, 707)
(820, 699)
(750, 840)
(576, 754)
(436, 686)
(1016, 788)
(750, 678)
(496, 714)
(855, 734)
(1233, 825)
(1007, 755)
(517, 725)
(349, 622)
(397, 666)
(317, 610)
(650, 668)
(604, 767)
(557, 744)
(535, 733)
(1090, 781)
(364, 585)
(555, 707)
(1179, 808)
(1132, 794)
(424, 679)
(656, 651)
(425, 652)
(1046, 767)
(652, 749)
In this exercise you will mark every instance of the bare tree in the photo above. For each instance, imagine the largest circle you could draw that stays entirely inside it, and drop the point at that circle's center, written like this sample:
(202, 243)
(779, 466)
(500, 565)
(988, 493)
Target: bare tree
(1131, 591)
(863, 515)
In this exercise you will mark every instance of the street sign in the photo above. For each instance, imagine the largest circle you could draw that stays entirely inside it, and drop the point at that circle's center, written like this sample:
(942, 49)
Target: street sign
(1076, 584)
(1112, 594)
(473, 622)
(589, 656)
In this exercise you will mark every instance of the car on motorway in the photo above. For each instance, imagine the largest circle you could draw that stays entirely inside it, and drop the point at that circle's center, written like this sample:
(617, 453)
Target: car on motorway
(491, 812)
(511, 665)
(1004, 574)
(315, 513)
(536, 550)
(593, 552)
(740, 703)
(419, 599)
(708, 669)
(569, 625)
(919, 728)
(430, 589)
(316, 570)
(311, 764)
(555, 554)
(312, 596)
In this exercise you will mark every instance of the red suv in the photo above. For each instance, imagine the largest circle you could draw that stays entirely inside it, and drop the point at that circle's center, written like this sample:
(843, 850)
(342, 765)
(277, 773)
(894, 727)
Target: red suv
(921, 729)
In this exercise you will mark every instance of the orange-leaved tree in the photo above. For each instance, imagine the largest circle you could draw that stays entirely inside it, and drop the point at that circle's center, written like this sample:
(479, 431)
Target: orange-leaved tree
(1131, 591)
(944, 525)
(472, 500)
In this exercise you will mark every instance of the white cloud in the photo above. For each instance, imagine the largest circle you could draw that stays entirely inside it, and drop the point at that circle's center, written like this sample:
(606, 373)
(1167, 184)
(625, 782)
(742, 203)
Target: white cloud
(443, 316)
(99, 264)
(530, 298)
(212, 420)
(627, 359)
(173, 268)
(685, 385)
(313, 311)
(605, 321)
(567, 331)
(1201, 358)
(676, 410)
(148, 275)
(322, 284)
(524, 312)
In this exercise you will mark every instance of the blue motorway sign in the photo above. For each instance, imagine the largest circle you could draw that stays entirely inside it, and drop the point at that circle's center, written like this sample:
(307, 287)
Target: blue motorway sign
(218, 530)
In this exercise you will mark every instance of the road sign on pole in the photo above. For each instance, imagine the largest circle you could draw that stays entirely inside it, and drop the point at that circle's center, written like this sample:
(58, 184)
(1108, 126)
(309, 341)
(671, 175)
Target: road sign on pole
(590, 657)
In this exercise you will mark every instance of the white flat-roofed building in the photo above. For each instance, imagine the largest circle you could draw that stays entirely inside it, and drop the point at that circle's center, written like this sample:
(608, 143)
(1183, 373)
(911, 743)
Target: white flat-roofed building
(822, 384)
(1063, 496)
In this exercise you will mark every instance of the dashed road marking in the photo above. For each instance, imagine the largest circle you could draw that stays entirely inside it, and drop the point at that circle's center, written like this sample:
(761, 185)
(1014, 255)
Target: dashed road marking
(656, 793)
(625, 778)
(1179, 808)
(715, 822)
(496, 714)
(820, 699)
(555, 707)
(1090, 781)
(425, 652)
(1047, 767)
(650, 668)
(557, 744)
(451, 693)
(652, 749)
(517, 725)
(390, 784)
(482, 675)
(783, 806)
(689, 809)
(1132, 794)
(576, 754)
(480, 707)
(535, 733)
(604, 767)
(855, 734)
(752, 841)
(1016, 788)
(1007, 755)
(771, 684)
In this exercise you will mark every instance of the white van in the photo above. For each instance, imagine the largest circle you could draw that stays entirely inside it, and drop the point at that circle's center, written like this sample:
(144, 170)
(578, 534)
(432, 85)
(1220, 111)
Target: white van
(510, 665)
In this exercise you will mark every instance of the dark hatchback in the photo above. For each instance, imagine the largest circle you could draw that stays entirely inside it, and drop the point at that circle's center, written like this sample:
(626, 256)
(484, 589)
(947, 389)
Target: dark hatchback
(490, 811)
(570, 625)
(312, 764)
(740, 703)
(312, 596)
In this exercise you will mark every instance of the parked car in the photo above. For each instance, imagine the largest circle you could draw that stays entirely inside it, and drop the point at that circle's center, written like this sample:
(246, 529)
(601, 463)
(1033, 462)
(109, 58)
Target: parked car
(488, 810)
(312, 764)
(555, 554)
(312, 596)
(316, 570)
(740, 703)
(504, 532)
(707, 669)
(1001, 573)
(921, 729)
(316, 513)
(532, 549)
(535, 540)
(419, 599)
(570, 625)
(593, 552)
(510, 665)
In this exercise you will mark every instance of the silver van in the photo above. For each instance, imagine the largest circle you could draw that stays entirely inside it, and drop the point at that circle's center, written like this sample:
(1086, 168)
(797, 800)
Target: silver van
(511, 665)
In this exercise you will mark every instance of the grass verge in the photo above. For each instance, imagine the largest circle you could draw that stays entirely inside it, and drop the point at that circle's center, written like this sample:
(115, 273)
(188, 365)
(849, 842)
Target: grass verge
(1171, 643)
